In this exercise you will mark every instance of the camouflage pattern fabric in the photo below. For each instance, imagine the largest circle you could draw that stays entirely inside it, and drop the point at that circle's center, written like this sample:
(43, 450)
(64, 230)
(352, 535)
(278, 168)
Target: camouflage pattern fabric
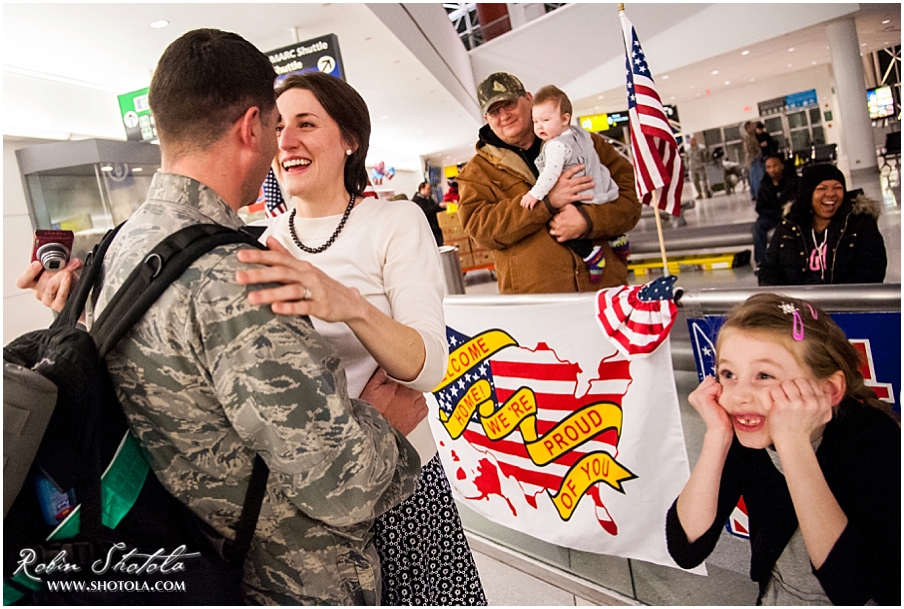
(207, 380)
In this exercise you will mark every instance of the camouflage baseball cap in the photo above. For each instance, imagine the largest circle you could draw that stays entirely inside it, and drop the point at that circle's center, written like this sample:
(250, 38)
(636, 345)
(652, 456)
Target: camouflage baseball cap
(497, 87)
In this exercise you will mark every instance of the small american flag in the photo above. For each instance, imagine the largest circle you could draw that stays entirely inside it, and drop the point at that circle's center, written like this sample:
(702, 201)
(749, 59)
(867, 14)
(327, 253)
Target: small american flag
(636, 319)
(657, 163)
(275, 205)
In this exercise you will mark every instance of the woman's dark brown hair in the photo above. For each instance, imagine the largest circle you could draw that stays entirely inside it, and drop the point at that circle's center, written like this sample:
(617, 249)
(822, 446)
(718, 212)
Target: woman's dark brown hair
(347, 108)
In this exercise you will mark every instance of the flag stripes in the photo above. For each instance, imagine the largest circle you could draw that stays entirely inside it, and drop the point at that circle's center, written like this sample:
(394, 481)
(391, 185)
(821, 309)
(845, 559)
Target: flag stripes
(657, 164)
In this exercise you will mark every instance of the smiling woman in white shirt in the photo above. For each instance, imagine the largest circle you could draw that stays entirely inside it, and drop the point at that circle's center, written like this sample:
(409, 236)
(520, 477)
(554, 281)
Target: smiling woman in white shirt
(368, 274)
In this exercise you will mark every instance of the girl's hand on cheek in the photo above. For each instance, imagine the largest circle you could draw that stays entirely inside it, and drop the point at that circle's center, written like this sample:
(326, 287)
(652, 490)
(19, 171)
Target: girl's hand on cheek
(800, 407)
(705, 400)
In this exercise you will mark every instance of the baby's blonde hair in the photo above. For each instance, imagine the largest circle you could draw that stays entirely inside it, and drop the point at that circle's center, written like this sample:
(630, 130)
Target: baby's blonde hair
(553, 93)
(814, 339)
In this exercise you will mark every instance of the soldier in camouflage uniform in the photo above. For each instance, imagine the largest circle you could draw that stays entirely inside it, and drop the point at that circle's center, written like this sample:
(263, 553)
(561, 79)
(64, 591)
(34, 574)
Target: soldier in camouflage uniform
(208, 380)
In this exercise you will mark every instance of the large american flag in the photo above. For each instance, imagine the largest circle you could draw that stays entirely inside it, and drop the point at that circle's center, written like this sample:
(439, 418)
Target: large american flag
(657, 163)
(558, 394)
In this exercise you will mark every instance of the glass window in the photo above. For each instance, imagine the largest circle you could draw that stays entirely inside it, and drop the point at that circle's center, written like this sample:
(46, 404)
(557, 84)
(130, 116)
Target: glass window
(774, 125)
(734, 152)
(815, 116)
(819, 137)
(732, 133)
(800, 139)
(712, 137)
(797, 120)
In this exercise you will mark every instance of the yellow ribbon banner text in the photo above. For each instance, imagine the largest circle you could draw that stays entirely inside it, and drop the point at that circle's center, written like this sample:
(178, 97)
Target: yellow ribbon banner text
(473, 353)
(592, 468)
(577, 428)
(520, 409)
(478, 394)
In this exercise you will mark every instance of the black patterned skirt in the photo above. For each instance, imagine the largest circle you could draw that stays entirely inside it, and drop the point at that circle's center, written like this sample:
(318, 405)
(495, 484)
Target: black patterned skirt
(424, 556)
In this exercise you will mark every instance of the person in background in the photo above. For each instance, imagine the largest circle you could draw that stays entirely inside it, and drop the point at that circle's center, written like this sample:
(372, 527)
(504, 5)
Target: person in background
(767, 143)
(208, 379)
(792, 428)
(564, 147)
(430, 208)
(828, 235)
(697, 158)
(777, 188)
(367, 272)
(754, 159)
(526, 242)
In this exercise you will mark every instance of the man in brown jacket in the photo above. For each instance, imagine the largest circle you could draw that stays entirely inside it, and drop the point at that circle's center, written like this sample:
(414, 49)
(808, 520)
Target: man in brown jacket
(527, 243)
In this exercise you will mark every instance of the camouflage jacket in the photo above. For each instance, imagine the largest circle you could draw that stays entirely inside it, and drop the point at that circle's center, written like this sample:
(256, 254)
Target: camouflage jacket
(207, 380)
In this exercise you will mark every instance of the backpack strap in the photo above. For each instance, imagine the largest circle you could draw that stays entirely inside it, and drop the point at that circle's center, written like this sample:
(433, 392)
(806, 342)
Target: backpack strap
(160, 268)
(71, 312)
(251, 510)
(166, 263)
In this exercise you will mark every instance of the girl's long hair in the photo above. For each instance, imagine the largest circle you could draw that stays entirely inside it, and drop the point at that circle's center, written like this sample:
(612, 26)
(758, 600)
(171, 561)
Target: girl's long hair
(823, 347)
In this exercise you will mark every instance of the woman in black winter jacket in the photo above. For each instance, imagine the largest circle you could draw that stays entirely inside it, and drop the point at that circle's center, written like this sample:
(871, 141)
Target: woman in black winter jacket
(827, 235)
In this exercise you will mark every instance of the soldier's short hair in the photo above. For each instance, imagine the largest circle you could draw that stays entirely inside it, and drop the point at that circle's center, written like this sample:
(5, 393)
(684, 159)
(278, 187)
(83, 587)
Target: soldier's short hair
(204, 82)
(553, 93)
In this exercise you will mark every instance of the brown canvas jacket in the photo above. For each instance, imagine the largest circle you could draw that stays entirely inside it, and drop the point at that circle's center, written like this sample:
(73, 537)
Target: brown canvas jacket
(528, 260)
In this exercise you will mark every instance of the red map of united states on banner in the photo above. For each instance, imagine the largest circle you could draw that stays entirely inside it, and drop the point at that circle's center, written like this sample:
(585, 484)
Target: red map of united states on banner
(560, 391)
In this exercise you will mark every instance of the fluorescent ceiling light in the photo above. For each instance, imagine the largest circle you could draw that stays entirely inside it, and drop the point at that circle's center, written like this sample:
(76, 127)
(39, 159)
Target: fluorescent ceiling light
(60, 79)
(159, 24)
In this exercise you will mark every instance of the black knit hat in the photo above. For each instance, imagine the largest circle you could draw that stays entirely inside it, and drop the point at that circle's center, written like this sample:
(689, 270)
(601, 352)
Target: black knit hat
(814, 175)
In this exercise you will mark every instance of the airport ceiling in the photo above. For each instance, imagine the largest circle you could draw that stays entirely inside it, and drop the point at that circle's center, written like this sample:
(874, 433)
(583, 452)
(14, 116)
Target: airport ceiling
(111, 47)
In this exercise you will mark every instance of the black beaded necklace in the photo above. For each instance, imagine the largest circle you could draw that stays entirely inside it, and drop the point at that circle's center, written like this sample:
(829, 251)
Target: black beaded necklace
(329, 242)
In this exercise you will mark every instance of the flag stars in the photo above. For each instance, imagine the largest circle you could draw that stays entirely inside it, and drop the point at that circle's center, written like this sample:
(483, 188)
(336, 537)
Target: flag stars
(453, 341)
(461, 384)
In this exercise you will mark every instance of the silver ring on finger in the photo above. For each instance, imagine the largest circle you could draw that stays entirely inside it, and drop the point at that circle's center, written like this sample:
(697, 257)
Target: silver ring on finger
(307, 294)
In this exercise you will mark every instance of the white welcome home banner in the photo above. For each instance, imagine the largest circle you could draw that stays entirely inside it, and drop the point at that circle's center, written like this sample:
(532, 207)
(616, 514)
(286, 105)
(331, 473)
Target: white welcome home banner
(548, 427)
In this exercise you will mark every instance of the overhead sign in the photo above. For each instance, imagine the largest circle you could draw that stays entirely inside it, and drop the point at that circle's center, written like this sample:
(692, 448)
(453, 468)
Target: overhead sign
(604, 122)
(136, 116)
(801, 100)
(777, 105)
(315, 54)
(595, 122)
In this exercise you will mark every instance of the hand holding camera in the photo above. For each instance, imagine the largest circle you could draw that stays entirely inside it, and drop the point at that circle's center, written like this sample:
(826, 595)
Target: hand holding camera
(51, 274)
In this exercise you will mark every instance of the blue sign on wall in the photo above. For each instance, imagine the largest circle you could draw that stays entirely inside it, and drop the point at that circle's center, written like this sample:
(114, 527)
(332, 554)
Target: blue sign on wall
(877, 336)
(801, 100)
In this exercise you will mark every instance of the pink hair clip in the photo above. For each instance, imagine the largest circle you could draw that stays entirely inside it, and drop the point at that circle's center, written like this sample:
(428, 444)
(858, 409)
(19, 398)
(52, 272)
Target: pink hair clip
(812, 312)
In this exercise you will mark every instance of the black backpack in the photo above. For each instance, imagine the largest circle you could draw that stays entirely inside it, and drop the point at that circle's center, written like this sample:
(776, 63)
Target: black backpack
(87, 452)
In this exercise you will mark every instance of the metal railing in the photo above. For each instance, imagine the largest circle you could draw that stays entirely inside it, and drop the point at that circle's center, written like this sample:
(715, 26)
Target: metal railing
(631, 580)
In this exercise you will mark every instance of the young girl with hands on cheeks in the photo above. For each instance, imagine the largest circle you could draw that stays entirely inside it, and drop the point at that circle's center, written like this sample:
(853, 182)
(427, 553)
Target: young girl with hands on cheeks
(791, 427)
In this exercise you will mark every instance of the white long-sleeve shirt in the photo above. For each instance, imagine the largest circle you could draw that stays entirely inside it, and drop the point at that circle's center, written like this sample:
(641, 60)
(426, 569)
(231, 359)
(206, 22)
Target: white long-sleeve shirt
(388, 253)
